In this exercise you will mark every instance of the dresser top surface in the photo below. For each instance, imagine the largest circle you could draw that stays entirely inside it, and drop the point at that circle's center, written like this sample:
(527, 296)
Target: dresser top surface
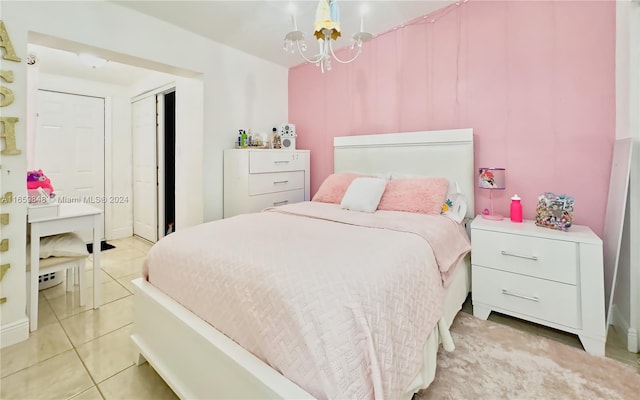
(269, 150)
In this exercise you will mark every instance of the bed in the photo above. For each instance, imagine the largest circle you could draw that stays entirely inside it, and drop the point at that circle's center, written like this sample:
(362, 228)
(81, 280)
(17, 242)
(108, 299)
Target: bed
(196, 360)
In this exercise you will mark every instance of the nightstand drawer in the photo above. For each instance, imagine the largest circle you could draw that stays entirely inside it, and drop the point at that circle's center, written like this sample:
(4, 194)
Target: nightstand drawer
(275, 182)
(276, 161)
(538, 298)
(554, 260)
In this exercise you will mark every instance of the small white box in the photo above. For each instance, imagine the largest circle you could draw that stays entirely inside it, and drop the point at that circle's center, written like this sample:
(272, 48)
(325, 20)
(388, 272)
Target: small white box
(43, 211)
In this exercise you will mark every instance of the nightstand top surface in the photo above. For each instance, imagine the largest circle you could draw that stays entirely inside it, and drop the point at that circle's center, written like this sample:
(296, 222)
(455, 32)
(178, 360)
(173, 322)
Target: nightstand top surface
(576, 233)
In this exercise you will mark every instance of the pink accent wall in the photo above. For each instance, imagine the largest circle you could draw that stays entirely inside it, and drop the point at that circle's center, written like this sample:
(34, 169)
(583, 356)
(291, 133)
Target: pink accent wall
(534, 79)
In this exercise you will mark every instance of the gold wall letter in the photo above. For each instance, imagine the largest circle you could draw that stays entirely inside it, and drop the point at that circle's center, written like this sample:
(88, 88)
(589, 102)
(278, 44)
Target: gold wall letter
(7, 198)
(9, 135)
(5, 42)
(4, 245)
(6, 93)
(3, 270)
(4, 219)
(3, 300)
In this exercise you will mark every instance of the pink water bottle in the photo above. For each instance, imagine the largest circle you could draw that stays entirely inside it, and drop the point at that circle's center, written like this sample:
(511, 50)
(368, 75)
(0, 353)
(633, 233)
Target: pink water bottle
(516, 209)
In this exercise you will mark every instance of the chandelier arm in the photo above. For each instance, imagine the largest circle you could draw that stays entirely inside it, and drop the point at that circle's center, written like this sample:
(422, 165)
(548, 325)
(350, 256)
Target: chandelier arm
(342, 61)
(318, 57)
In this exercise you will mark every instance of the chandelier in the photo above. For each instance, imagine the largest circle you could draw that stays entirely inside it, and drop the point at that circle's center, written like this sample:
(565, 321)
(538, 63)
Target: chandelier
(326, 30)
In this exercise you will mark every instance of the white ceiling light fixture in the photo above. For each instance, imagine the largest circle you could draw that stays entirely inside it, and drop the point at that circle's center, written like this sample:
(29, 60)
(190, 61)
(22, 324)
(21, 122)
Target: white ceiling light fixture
(92, 60)
(326, 30)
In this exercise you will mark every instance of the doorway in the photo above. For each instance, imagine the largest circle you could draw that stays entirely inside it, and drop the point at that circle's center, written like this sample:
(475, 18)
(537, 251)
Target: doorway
(168, 224)
(119, 90)
(69, 147)
(154, 136)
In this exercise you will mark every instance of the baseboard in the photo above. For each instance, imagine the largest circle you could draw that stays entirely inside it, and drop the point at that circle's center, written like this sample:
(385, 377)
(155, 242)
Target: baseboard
(120, 233)
(633, 345)
(14, 332)
(626, 334)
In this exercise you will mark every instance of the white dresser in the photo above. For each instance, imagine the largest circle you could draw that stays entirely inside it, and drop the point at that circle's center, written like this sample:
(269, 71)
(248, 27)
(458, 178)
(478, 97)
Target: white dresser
(258, 178)
(549, 277)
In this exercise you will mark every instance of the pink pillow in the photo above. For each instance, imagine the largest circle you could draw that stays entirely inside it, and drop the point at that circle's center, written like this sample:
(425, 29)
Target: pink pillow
(419, 195)
(333, 188)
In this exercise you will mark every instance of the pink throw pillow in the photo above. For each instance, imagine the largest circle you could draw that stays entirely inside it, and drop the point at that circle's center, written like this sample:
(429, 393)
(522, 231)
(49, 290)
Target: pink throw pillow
(333, 188)
(419, 195)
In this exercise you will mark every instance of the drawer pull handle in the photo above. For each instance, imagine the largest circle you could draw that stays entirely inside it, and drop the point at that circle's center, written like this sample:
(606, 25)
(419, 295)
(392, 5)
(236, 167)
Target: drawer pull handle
(279, 203)
(506, 253)
(281, 162)
(280, 182)
(522, 296)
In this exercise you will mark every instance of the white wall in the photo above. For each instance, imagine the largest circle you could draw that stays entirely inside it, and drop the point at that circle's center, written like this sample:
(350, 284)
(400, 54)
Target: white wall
(238, 91)
(14, 326)
(626, 308)
(247, 98)
(634, 128)
(189, 153)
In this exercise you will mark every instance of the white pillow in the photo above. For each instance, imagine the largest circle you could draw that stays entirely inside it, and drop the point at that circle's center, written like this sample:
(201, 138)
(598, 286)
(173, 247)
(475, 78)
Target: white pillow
(363, 194)
(63, 245)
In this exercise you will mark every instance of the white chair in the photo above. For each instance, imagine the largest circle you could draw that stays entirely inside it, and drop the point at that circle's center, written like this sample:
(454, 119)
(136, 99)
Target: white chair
(62, 252)
(74, 266)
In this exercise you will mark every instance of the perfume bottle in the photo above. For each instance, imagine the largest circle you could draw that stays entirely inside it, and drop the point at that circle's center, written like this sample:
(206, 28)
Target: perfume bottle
(243, 137)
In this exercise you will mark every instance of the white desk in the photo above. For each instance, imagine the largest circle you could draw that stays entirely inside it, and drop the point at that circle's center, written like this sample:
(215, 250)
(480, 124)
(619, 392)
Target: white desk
(70, 218)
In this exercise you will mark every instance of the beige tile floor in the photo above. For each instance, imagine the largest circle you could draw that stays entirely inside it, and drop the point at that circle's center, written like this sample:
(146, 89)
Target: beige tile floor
(81, 353)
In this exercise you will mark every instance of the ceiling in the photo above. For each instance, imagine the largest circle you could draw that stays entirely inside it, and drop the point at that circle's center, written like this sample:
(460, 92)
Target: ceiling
(255, 27)
(259, 27)
(66, 63)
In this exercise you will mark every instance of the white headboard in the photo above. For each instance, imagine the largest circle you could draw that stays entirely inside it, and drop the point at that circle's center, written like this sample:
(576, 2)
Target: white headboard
(447, 153)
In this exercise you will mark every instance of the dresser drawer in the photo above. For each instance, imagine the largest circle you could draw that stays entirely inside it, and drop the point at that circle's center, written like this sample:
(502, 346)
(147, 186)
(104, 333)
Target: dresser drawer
(554, 260)
(538, 298)
(276, 161)
(275, 182)
(263, 201)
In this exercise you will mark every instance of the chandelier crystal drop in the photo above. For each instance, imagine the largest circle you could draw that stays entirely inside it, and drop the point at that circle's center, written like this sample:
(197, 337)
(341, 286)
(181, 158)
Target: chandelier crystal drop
(326, 31)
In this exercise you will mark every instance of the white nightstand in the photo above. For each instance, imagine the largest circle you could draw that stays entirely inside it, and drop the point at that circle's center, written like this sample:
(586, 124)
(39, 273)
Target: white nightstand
(549, 277)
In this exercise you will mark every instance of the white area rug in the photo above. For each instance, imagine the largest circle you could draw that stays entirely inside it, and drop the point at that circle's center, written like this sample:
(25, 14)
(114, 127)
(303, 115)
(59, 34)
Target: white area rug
(494, 361)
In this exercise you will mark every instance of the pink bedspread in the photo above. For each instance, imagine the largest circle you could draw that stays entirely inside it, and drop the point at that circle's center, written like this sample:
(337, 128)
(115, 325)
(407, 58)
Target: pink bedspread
(341, 308)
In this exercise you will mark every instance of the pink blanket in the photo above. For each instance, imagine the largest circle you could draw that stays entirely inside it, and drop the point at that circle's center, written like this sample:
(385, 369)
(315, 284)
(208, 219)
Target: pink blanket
(446, 237)
(341, 308)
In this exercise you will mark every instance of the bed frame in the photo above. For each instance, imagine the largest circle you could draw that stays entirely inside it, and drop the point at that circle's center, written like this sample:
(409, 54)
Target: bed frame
(198, 361)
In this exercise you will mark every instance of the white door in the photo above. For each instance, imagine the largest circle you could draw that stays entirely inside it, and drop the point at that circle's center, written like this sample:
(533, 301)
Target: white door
(69, 147)
(145, 187)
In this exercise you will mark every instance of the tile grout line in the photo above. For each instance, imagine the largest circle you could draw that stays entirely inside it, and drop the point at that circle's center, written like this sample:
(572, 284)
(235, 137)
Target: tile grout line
(48, 358)
(75, 347)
